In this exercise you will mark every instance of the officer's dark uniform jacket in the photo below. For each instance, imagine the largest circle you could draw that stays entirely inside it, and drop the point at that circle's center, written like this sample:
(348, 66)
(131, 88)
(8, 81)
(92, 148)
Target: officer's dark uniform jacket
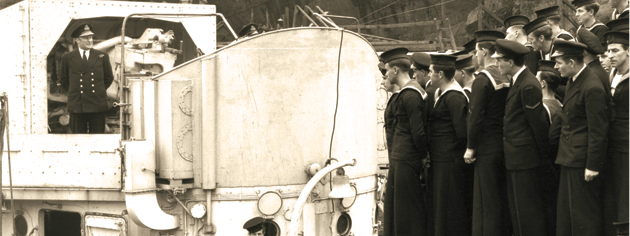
(581, 132)
(409, 140)
(447, 124)
(526, 130)
(86, 83)
(487, 107)
(618, 132)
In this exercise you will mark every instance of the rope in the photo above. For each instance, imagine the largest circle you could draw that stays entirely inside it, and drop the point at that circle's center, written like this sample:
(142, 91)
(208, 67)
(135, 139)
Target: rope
(379, 9)
(5, 110)
(422, 8)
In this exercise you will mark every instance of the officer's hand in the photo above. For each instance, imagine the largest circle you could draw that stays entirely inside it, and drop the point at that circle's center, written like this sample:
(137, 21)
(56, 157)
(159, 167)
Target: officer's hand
(468, 156)
(590, 175)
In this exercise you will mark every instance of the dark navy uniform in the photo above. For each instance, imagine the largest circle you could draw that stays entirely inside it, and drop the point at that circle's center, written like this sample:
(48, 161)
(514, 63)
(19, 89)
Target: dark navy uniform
(485, 136)
(581, 134)
(594, 47)
(618, 146)
(405, 208)
(525, 145)
(447, 144)
(619, 15)
(86, 82)
(531, 59)
(598, 29)
(618, 143)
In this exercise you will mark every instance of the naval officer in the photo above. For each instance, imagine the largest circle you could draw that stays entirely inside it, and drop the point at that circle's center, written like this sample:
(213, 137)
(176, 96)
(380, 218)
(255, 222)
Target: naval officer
(86, 74)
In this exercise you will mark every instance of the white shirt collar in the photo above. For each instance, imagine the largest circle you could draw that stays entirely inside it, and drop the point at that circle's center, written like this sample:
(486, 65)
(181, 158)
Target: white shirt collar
(452, 86)
(87, 53)
(517, 74)
(579, 72)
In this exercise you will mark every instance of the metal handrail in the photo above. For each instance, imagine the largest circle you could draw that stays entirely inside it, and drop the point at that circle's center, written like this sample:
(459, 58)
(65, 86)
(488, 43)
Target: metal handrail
(306, 15)
(122, 53)
(324, 19)
(347, 17)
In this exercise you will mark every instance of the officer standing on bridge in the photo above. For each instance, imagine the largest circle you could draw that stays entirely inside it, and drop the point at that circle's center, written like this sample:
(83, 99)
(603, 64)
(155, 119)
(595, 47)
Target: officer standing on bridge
(86, 74)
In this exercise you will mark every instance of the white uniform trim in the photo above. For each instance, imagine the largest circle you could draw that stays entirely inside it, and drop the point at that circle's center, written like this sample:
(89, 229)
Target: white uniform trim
(616, 14)
(494, 83)
(614, 85)
(548, 112)
(453, 87)
(422, 92)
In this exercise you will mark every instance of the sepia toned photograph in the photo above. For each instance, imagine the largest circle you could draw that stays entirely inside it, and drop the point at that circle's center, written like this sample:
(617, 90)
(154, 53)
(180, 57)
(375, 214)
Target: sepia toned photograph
(314, 118)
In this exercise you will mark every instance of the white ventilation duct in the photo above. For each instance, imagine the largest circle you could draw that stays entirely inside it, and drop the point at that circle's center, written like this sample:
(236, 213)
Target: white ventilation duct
(140, 188)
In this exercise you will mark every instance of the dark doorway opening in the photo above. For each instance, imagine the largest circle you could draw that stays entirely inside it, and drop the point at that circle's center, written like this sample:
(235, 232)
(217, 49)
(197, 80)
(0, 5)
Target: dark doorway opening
(62, 223)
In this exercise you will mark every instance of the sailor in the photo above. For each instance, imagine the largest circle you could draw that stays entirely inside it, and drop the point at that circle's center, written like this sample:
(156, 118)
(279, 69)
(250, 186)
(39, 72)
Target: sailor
(515, 32)
(525, 140)
(594, 48)
(585, 11)
(390, 120)
(618, 133)
(540, 35)
(420, 66)
(552, 15)
(485, 140)
(255, 226)
(549, 79)
(470, 47)
(581, 138)
(405, 209)
(465, 74)
(86, 74)
(248, 30)
(620, 9)
(447, 143)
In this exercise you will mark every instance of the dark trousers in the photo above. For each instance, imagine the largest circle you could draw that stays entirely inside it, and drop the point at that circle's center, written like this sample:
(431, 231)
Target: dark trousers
(405, 209)
(490, 207)
(525, 198)
(452, 206)
(83, 123)
(579, 204)
(620, 175)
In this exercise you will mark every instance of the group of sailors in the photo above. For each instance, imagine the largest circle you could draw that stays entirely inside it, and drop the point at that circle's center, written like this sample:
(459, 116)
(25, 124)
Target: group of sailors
(526, 132)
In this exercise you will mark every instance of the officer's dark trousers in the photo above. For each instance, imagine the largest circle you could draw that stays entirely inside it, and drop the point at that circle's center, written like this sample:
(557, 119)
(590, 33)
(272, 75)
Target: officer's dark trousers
(452, 211)
(490, 207)
(405, 210)
(579, 204)
(83, 123)
(525, 197)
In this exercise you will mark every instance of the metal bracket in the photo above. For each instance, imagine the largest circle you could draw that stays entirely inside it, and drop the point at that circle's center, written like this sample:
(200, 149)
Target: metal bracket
(145, 169)
(116, 104)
